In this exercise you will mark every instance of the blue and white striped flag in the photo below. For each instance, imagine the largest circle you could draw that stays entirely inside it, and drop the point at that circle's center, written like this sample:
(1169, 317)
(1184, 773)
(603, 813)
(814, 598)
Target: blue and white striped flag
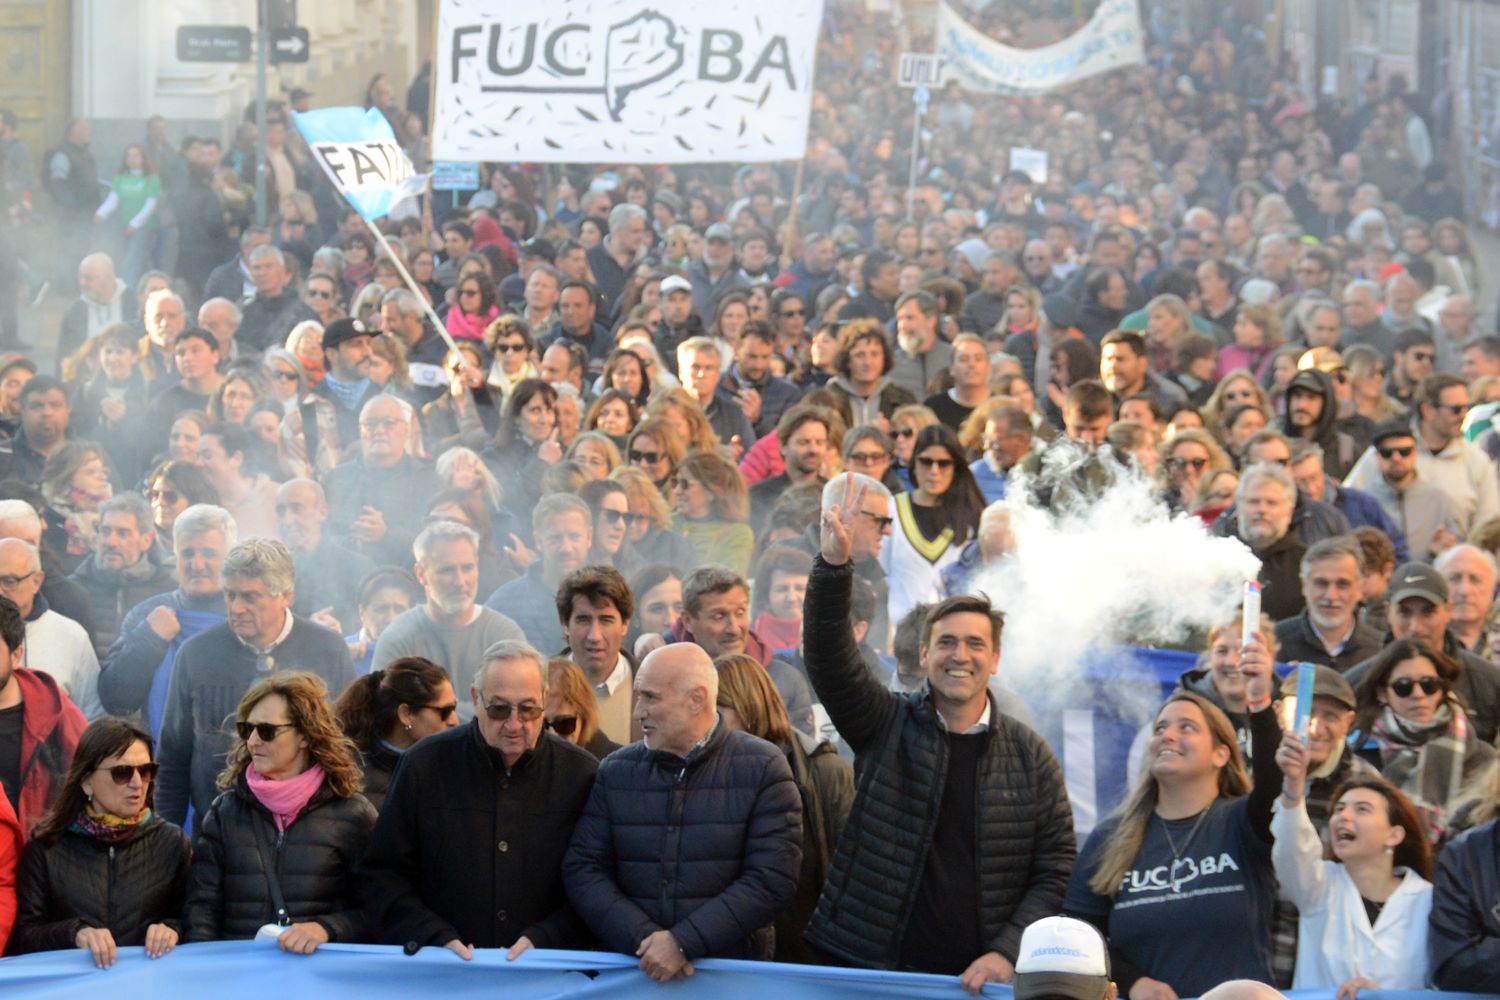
(358, 151)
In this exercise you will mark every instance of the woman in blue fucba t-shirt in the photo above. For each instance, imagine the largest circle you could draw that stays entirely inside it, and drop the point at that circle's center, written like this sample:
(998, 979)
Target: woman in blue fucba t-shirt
(1180, 877)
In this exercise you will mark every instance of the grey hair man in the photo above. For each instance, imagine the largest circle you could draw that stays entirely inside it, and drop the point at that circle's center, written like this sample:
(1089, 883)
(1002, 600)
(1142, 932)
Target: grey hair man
(449, 628)
(58, 645)
(611, 260)
(1328, 629)
(1266, 497)
(275, 307)
(120, 573)
(215, 668)
(1470, 574)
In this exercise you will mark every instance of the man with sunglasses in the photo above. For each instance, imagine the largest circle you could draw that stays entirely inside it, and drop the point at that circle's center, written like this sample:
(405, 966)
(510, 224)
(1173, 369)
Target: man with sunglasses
(1420, 608)
(321, 293)
(1412, 360)
(39, 725)
(1389, 472)
(468, 849)
(215, 668)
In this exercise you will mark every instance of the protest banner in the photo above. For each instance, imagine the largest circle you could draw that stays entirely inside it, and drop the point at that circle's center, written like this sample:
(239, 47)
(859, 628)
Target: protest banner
(1112, 38)
(623, 81)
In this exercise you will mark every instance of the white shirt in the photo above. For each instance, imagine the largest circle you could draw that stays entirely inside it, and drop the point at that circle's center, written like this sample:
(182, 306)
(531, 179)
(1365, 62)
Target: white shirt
(59, 646)
(976, 728)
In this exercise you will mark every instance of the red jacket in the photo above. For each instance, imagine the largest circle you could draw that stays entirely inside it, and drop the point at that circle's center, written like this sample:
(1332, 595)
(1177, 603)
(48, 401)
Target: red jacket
(10, 857)
(50, 727)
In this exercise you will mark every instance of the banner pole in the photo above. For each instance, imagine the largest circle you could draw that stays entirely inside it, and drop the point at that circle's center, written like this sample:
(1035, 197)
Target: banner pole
(911, 178)
(411, 283)
(791, 215)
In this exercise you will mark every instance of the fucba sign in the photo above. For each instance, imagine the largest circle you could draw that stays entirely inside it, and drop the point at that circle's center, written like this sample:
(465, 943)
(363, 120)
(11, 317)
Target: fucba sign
(653, 81)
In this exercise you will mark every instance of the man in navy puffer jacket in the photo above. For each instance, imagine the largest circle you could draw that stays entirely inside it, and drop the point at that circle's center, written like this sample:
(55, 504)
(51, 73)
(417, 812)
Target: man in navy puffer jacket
(691, 841)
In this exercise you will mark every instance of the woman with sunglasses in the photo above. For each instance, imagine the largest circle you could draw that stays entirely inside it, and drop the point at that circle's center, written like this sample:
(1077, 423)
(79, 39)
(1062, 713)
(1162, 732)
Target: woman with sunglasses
(572, 711)
(386, 711)
(1414, 727)
(932, 522)
(512, 346)
(101, 870)
(1237, 388)
(712, 510)
(474, 310)
(648, 526)
(279, 844)
(610, 504)
(906, 423)
(171, 488)
(1187, 457)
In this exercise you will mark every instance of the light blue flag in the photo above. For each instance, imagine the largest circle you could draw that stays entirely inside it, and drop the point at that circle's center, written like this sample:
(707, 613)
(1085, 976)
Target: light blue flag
(358, 151)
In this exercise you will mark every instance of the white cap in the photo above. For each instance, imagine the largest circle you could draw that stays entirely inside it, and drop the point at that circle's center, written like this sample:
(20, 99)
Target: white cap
(1258, 292)
(675, 283)
(1060, 956)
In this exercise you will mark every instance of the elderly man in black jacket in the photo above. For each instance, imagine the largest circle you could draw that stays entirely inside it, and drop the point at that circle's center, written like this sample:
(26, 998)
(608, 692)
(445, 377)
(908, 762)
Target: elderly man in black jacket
(691, 843)
(468, 849)
(961, 834)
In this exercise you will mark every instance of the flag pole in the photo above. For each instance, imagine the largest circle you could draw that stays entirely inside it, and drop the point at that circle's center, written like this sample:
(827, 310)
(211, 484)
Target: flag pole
(411, 282)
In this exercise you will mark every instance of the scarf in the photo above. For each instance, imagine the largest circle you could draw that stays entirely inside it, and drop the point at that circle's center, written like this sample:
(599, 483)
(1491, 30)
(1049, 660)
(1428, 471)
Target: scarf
(286, 799)
(470, 326)
(80, 514)
(192, 623)
(779, 633)
(107, 828)
(1425, 761)
(348, 393)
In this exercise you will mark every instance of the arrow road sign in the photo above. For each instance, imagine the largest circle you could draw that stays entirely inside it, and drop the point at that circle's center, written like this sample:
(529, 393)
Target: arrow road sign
(214, 43)
(289, 45)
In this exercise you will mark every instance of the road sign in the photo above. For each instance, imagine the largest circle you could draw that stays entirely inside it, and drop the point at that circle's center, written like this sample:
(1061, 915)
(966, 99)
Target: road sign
(920, 69)
(289, 45)
(214, 43)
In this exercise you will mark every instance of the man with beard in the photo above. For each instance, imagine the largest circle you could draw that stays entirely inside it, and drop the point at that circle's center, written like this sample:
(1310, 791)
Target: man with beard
(1125, 369)
(920, 354)
(1312, 413)
(803, 435)
(1425, 513)
(449, 628)
(563, 527)
(1264, 502)
(1328, 630)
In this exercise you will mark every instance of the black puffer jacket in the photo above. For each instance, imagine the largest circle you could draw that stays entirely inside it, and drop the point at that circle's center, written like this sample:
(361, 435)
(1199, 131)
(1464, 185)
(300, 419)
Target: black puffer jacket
(901, 758)
(230, 896)
(707, 846)
(379, 764)
(1463, 934)
(80, 882)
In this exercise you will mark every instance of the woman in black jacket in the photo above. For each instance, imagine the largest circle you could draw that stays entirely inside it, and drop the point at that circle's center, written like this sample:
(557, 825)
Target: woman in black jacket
(279, 845)
(526, 445)
(386, 711)
(102, 871)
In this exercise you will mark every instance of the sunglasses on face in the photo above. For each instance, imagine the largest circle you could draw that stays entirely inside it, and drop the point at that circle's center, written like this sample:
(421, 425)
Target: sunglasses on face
(905, 432)
(501, 712)
(1403, 451)
(613, 517)
(562, 725)
(287, 376)
(445, 712)
(1196, 464)
(267, 731)
(1422, 355)
(1402, 687)
(789, 313)
(881, 521)
(511, 348)
(941, 464)
(318, 293)
(868, 457)
(1457, 409)
(168, 497)
(465, 293)
(644, 457)
(120, 773)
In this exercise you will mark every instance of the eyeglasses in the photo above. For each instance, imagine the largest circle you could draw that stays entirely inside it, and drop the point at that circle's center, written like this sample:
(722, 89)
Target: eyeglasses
(644, 457)
(314, 293)
(941, 464)
(868, 457)
(267, 731)
(287, 376)
(1423, 355)
(789, 313)
(562, 725)
(120, 773)
(633, 519)
(613, 517)
(168, 497)
(1196, 464)
(1402, 687)
(1457, 409)
(1401, 451)
(444, 712)
(6, 582)
(882, 522)
(501, 711)
(905, 432)
(511, 348)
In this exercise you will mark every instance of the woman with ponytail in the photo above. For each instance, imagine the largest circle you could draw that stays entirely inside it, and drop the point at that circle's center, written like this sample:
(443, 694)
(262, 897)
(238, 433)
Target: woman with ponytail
(386, 711)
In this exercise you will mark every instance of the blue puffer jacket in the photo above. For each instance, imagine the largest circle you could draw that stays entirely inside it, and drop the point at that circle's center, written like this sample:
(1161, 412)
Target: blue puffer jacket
(708, 846)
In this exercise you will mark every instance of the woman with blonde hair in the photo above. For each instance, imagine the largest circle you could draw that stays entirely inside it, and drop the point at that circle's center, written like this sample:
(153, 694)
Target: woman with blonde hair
(712, 510)
(1186, 458)
(1186, 858)
(748, 701)
(388, 367)
(280, 843)
(572, 711)
(683, 412)
(649, 524)
(1367, 384)
(906, 423)
(1236, 388)
(656, 448)
(305, 341)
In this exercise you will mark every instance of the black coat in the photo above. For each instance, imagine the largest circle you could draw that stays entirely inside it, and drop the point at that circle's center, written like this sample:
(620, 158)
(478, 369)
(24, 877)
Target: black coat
(80, 882)
(1296, 640)
(379, 764)
(707, 846)
(1463, 934)
(901, 755)
(466, 849)
(112, 595)
(238, 843)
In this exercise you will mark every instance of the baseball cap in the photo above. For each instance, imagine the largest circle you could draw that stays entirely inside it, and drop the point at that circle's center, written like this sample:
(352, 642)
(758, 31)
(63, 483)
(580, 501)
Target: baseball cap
(341, 330)
(1327, 683)
(1324, 359)
(1416, 579)
(1308, 381)
(538, 247)
(1258, 291)
(719, 231)
(1061, 956)
(1392, 428)
(675, 283)
(9, 361)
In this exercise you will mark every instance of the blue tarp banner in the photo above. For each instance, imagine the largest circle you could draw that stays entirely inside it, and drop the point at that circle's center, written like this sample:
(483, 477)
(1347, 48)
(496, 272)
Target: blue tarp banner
(362, 157)
(244, 970)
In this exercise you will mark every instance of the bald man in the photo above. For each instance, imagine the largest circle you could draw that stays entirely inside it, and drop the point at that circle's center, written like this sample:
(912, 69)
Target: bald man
(102, 299)
(222, 318)
(1470, 572)
(18, 519)
(54, 645)
(691, 835)
(328, 573)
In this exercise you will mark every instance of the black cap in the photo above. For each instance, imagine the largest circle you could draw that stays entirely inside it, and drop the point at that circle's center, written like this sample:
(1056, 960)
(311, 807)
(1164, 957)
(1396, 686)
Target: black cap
(1311, 380)
(538, 247)
(298, 93)
(1393, 428)
(341, 330)
(1061, 310)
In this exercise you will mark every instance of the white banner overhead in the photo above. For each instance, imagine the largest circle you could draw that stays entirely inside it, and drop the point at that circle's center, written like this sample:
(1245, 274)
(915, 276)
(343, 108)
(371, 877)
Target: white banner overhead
(624, 81)
(1112, 38)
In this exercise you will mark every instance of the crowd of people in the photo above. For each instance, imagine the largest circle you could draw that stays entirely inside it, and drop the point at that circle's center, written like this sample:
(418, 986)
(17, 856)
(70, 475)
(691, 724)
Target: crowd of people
(546, 602)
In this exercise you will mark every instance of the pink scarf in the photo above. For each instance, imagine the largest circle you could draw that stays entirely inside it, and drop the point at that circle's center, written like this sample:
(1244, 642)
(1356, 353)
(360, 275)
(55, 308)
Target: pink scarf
(780, 633)
(285, 799)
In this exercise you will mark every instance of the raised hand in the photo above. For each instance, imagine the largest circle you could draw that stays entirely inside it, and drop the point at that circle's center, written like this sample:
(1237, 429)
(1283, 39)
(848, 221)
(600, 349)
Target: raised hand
(1291, 757)
(837, 534)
